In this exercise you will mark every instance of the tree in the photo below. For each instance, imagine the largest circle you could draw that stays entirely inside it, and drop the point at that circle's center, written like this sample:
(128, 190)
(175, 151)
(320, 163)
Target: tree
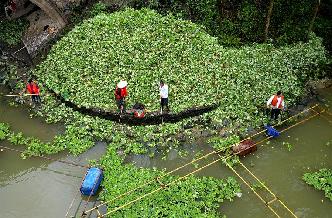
(268, 19)
(314, 16)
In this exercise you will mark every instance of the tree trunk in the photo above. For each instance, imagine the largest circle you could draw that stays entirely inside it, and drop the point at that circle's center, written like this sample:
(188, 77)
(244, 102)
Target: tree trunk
(268, 19)
(314, 17)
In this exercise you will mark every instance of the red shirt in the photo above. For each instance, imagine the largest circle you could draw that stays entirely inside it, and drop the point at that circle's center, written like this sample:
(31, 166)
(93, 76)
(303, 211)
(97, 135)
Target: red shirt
(139, 113)
(123, 93)
(32, 88)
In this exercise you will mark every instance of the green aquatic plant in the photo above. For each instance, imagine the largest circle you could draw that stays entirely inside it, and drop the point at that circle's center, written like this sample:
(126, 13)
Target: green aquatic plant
(288, 145)
(17, 138)
(321, 180)
(190, 197)
(224, 144)
(143, 47)
(4, 130)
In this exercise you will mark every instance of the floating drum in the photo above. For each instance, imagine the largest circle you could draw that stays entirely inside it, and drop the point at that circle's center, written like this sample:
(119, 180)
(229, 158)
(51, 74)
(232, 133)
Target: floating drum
(91, 181)
(270, 131)
(245, 147)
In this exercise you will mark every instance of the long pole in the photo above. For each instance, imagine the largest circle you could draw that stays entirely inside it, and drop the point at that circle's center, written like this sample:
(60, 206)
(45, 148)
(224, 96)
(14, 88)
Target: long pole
(21, 95)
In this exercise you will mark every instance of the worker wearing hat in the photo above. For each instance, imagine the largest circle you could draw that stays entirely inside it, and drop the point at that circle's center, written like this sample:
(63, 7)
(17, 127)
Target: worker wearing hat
(120, 94)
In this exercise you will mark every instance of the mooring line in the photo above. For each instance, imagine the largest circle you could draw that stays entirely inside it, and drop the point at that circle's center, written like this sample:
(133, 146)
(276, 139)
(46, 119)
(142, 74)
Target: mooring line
(161, 187)
(74, 199)
(191, 173)
(275, 197)
(195, 160)
(252, 189)
(328, 113)
(296, 124)
(72, 203)
(84, 213)
(326, 118)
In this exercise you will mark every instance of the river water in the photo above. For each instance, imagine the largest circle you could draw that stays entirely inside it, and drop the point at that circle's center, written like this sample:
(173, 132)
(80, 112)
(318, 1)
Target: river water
(40, 188)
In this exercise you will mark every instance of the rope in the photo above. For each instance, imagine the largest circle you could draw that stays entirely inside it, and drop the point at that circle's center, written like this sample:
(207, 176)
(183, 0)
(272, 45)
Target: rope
(162, 187)
(168, 173)
(252, 189)
(72, 202)
(93, 188)
(191, 173)
(275, 197)
(317, 113)
(18, 50)
(195, 160)
(46, 158)
(326, 118)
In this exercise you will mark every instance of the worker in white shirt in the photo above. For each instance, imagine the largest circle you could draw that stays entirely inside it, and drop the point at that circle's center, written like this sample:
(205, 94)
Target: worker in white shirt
(276, 103)
(163, 89)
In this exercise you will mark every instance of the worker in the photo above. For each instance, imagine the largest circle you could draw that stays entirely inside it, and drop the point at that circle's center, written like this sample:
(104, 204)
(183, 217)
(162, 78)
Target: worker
(276, 103)
(33, 89)
(121, 94)
(138, 110)
(163, 89)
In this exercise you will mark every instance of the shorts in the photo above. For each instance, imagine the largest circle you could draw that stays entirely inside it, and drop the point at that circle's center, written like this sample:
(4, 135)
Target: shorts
(164, 102)
(120, 102)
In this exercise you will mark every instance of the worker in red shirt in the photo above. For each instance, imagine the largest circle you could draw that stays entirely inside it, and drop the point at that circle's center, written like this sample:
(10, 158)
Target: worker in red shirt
(33, 89)
(138, 110)
(276, 103)
(120, 94)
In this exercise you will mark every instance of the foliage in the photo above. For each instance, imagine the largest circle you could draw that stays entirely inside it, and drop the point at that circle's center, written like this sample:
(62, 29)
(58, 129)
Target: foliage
(240, 22)
(76, 140)
(4, 130)
(323, 24)
(223, 144)
(191, 61)
(143, 47)
(321, 180)
(192, 197)
(290, 20)
(288, 145)
(98, 8)
(11, 31)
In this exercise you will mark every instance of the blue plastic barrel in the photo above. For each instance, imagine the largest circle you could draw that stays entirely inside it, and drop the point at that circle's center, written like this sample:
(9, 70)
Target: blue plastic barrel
(91, 181)
(270, 131)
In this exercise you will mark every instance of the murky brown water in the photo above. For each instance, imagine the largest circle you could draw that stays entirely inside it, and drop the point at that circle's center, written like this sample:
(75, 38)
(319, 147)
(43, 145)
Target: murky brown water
(39, 188)
(281, 170)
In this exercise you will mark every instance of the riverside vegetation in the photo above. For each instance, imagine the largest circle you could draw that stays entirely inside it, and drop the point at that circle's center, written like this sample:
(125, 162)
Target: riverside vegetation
(321, 180)
(143, 47)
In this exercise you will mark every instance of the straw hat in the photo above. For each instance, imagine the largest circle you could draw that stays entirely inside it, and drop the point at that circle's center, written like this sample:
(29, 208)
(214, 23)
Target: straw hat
(122, 84)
